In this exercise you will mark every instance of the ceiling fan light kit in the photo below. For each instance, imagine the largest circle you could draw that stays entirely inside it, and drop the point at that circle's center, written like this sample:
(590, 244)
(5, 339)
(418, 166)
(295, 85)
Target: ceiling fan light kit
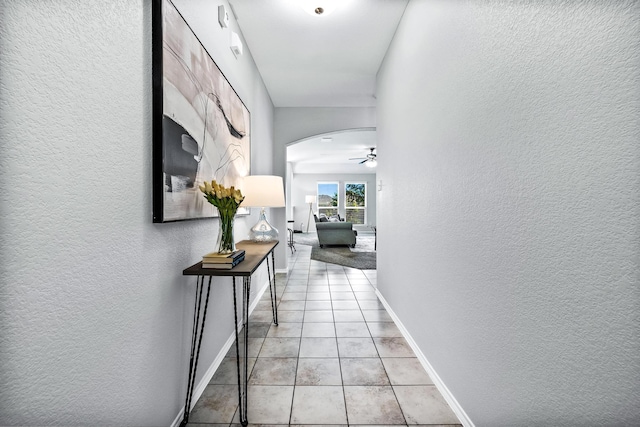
(369, 161)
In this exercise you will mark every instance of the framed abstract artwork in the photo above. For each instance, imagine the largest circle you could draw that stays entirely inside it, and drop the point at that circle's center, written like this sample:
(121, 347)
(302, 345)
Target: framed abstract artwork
(201, 127)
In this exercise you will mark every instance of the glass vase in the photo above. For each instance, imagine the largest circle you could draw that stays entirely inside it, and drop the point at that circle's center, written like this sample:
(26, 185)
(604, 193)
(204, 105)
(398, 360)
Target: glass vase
(226, 243)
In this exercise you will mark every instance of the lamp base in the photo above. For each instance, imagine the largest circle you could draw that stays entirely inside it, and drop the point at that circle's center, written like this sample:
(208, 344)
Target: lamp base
(263, 232)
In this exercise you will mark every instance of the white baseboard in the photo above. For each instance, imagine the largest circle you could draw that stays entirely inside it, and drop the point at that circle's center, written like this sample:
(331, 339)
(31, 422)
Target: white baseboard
(282, 271)
(199, 388)
(442, 388)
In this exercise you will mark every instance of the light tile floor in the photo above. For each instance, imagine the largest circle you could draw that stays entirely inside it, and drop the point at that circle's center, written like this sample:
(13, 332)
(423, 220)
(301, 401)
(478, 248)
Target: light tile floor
(336, 358)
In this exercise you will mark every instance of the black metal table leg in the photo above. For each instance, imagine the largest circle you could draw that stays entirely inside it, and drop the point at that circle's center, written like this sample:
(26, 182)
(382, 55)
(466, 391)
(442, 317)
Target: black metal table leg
(291, 243)
(256, 254)
(272, 288)
(196, 342)
(242, 362)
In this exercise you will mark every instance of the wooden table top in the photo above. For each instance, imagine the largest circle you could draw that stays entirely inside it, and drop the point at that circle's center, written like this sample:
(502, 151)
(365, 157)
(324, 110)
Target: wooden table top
(255, 253)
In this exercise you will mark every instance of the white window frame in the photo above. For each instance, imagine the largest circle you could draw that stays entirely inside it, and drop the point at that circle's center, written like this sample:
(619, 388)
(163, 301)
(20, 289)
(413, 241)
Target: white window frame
(336, 208)
(364, 208)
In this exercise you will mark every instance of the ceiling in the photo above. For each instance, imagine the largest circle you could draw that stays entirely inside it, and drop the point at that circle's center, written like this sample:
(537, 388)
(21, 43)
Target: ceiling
(315, 155)
(319, 61)
(329, 60)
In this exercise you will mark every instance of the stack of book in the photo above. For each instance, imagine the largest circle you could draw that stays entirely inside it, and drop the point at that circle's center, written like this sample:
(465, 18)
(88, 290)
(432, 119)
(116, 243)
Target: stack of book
(223, 261)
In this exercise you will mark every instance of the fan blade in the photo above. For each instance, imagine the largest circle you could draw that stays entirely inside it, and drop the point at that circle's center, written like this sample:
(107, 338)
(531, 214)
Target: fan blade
(364, 161)
(358, 158)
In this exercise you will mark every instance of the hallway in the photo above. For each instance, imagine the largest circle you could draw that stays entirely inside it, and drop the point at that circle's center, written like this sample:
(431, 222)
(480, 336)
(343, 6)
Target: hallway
(336, 358)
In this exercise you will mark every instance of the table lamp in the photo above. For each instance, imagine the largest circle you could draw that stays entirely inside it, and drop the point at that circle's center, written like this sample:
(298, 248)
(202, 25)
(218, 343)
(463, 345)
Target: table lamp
(263, 191)
(311, 200)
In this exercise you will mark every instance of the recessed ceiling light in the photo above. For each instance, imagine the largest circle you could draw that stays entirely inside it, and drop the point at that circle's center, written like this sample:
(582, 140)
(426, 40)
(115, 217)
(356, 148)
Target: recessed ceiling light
(319, 7)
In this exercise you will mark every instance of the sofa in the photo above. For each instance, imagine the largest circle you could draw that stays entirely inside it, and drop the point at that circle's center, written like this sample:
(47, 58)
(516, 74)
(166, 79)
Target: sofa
(335, 232)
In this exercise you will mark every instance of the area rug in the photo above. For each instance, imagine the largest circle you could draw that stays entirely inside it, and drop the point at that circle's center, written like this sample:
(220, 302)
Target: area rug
(362, 256)
(365, 242)
(343, 256)
(309, 239)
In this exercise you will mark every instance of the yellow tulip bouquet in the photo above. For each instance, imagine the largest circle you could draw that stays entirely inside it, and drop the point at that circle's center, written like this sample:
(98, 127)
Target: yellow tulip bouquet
(227, 200)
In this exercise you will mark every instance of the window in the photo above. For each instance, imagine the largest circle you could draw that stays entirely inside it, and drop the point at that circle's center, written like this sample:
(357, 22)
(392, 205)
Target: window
(328, 198)
(355, 196)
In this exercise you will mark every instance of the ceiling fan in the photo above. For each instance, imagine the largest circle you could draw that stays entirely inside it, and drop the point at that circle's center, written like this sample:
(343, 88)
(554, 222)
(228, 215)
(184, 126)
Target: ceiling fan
(370, 160)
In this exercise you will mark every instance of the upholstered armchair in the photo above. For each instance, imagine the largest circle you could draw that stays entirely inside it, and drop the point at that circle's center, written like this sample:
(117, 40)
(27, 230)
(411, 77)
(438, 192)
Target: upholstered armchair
(335, 233)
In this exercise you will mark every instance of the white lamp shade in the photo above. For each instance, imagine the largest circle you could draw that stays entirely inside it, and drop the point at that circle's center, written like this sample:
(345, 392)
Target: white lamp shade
(310, 199)
(263, 191)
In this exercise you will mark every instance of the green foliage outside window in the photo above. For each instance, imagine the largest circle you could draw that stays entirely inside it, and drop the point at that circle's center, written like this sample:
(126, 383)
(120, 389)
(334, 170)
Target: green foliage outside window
(355, 216)
(355, 195)
(328, 212)
(355, 201)
(328, 198)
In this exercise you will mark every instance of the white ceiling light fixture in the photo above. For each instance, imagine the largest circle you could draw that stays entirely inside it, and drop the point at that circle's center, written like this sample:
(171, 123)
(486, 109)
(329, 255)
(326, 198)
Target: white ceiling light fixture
(369, 161)
(319, 7)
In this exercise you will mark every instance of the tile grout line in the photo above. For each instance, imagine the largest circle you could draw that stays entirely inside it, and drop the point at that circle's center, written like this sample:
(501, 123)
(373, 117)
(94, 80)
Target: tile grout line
(333, 309)
(344, 392)
(295, 379)
(380, 359)
(289, 284)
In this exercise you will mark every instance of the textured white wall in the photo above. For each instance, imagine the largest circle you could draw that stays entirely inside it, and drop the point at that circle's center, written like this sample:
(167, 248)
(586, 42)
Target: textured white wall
(95, 312)
(509, 219)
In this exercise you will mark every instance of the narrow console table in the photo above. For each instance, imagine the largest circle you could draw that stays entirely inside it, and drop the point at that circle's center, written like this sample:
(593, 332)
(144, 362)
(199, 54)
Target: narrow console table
(255, 255)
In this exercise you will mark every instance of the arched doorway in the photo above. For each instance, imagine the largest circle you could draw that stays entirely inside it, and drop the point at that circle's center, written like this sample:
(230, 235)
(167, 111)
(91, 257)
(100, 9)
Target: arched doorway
(335, 158)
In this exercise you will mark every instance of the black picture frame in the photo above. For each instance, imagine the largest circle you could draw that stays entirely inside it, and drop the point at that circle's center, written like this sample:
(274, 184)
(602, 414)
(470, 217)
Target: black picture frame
(201, 127)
